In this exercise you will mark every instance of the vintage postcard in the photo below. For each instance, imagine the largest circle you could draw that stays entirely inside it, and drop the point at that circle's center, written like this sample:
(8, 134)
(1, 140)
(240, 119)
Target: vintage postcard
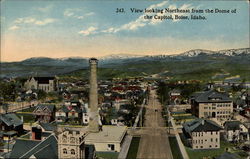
(125, 79)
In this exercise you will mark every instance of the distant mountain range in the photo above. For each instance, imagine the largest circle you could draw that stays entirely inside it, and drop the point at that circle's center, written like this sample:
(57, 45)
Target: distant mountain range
(197, 61)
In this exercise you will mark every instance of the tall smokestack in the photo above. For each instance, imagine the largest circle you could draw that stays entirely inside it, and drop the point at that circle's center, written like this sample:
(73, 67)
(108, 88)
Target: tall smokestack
(93, 97)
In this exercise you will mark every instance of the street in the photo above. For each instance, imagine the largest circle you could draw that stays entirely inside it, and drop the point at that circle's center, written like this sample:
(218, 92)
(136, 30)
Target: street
(154, 143)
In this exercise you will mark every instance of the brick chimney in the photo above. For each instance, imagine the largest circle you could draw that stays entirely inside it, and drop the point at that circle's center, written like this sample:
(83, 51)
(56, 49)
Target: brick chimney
(36, 133)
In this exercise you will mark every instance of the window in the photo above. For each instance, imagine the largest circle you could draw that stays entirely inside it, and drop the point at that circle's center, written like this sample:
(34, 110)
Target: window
(216, 140)
(210, 146)
(201, 147)
(211, 139)
(72, 151)
(65, 151)
(64, 138)
(72, 140)
(111, 147)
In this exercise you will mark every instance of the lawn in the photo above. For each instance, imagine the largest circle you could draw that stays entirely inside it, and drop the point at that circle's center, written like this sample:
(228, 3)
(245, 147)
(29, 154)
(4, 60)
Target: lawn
(107, 155)
(133, 149)
(175, 148)
(199, 154)
(28, 110)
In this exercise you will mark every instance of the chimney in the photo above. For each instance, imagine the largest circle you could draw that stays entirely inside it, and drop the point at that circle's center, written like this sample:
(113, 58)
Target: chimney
(93, 97)
(36, 133)
(202, 122)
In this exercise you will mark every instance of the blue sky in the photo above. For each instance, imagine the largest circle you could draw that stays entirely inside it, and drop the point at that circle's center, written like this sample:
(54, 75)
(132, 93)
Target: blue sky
(92, 28)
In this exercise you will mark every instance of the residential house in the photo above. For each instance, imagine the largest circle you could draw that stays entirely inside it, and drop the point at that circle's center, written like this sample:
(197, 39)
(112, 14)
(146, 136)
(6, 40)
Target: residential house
(74, 113)
(47, 84)
(202, 134)
(10, 122)
(236, 131)
(69, 112)
(211, 104)
(85, 115)
(45, 112)
(38, 146)
(62, 114)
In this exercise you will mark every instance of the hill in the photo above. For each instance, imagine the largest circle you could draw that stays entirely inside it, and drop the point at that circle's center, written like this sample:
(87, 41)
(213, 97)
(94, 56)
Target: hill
(193, 64)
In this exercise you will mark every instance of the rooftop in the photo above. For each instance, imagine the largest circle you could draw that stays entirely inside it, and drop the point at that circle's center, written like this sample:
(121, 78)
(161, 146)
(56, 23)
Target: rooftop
(232, 125)
(108, 134)
(201, 125)
(10, 119)
(24, 148)
(211, 96)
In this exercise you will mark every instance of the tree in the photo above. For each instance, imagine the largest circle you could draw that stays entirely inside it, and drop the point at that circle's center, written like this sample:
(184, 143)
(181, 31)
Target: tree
(41, 95)
(163, 92)
(8, 91)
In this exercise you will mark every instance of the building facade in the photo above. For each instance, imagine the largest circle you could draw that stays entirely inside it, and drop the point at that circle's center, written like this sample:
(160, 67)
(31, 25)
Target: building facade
(45, 113)
(202, 134)
(47, 84)
(212, 104)
(71, 144)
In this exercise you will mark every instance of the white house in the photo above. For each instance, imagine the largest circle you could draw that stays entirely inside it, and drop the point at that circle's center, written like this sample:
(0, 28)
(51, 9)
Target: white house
(236, 131)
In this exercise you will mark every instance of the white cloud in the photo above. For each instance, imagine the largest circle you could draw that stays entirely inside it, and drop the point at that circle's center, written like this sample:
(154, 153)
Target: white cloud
(90, 30)
(44, 21)
(30, 20)
(69, 12)
(19, 22)
(14, 27)
(141, 21)
(45, 9)
(89, 14)
(76, 13)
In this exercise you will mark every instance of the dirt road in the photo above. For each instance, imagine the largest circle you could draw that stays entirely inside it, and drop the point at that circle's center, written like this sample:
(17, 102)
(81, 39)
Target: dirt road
(154, 143)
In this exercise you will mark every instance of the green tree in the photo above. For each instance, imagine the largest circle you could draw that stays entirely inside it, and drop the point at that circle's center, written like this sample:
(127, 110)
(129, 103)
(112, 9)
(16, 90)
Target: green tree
(163, 92)
(41, 95)
(8, 91)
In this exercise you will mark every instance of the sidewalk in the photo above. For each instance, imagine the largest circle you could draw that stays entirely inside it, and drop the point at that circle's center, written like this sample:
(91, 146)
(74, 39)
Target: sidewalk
(181, 146)
(125, 146)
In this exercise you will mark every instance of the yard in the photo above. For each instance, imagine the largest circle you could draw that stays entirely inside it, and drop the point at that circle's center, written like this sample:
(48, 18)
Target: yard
(181, 117)
(28, 110)
(107, 155)
(175, 148)
(133, 149)
(199, 154)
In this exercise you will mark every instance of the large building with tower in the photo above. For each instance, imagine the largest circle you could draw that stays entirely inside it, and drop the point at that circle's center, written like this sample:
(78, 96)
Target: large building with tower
(47, 84)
